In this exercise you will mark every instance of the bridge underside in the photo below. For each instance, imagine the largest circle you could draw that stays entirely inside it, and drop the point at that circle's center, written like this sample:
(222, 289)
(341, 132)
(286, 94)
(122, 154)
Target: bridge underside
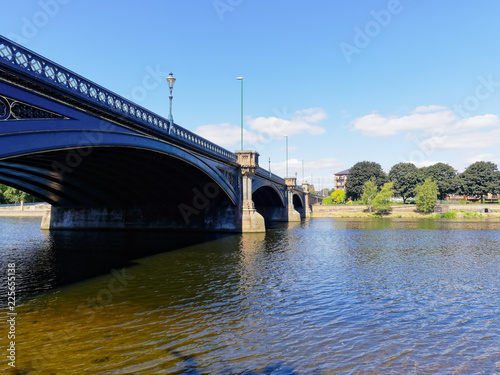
(270, 204)
(122, 187)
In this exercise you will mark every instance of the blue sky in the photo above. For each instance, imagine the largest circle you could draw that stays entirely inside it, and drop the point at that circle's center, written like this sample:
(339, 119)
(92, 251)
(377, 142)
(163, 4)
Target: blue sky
(346, 81)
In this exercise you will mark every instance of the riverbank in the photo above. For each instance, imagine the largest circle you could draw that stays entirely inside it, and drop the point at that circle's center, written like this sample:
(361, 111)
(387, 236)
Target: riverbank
(448, 211)
(28, 210)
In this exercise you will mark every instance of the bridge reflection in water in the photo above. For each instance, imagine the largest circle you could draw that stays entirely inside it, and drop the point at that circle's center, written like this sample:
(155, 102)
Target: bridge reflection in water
(104, 162)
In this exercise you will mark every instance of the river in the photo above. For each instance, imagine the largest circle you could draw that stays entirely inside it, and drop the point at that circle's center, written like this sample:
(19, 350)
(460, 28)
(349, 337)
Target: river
(325, 296)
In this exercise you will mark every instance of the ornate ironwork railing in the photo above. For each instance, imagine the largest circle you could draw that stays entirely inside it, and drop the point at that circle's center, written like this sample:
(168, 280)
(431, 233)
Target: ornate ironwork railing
(34, 65)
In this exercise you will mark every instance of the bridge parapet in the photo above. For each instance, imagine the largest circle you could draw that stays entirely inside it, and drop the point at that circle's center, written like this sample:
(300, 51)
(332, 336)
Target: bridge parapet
(20, 60)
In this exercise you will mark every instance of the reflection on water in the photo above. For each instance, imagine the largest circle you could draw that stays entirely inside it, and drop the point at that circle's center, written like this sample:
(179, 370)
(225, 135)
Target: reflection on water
(319, 297)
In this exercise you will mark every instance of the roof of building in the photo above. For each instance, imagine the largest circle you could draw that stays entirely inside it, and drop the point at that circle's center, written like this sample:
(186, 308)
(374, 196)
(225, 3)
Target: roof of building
(343, 172)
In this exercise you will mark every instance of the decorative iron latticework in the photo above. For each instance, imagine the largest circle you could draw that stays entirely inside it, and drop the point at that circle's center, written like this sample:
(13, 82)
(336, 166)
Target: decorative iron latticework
(11, 109)
(229, 176)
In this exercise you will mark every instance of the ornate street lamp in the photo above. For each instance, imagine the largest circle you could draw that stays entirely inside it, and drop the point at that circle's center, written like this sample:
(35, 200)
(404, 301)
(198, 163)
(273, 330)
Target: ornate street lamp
(171, 81)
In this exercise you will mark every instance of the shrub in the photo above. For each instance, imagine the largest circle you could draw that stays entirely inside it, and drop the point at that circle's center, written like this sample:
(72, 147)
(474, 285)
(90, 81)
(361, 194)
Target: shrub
(473, 215)
(338, 197)
(448, 215)
(327, 201)
(382, 201)
(426, 195)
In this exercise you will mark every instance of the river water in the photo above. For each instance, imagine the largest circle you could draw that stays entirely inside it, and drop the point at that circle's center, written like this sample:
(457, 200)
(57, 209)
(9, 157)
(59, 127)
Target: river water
(324, 296)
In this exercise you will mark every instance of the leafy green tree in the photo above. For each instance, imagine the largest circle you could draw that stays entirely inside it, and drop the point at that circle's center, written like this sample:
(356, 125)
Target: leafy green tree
(369, 193)
(2, 198)
(359, 174)
(445, 177)
(12, 195)
(338, 197)
(405, 177)
(327, 200)
(382, 201)
(480, 178)
(426, 195)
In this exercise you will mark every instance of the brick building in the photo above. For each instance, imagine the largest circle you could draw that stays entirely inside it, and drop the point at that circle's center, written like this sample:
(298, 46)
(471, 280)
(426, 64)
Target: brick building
(340, 179)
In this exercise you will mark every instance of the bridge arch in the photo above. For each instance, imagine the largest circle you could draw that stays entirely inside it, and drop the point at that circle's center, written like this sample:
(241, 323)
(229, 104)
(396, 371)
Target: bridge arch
(131, 176)
(298, 204)
(270, 203)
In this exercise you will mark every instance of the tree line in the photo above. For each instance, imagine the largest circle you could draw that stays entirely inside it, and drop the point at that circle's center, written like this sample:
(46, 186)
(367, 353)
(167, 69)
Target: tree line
(479, 179)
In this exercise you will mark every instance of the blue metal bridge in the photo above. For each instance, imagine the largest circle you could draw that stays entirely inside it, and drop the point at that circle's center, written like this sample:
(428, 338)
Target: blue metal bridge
(102, 161)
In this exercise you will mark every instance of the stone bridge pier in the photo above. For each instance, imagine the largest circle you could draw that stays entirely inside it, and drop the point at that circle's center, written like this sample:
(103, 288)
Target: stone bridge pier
(290, 203)
(293, 214)
(251, 220)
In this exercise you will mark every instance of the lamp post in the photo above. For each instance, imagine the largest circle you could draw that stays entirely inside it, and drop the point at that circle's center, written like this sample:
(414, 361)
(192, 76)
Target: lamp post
(286, 136)
(171, 81)
(241, 79)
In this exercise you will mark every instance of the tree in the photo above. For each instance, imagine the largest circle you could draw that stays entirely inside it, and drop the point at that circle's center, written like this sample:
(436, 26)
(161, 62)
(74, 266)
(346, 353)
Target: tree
(369, 193)
(382, 201)
(480, 178)
(426, 195)
(444, 175)
(338, 197)
(405, 177)
(2, 198)
(359, 174)
(12, 195)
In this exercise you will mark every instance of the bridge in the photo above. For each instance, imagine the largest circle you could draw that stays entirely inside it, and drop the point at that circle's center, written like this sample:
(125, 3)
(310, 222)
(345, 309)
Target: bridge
(104, 162)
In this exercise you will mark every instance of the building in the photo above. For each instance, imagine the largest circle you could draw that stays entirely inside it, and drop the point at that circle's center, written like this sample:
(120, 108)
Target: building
(340, 179)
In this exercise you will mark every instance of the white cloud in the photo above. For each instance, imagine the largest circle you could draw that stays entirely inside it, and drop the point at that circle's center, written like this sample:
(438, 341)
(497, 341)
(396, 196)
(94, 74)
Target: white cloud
(227, 135)
(426, 120)
(469, 140)
(300, 122)
(424, 163)
(429, 108)
(261, 130)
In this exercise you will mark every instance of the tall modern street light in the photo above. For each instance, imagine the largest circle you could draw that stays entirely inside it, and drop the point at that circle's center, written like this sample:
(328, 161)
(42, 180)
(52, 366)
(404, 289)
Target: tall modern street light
(171, 81)
(241, 79)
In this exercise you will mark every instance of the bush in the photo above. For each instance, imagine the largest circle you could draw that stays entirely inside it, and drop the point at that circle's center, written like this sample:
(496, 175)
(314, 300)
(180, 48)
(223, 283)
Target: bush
(473, 215)
(327, 201)
(338, 197)
(426, 195)
(447, 215)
